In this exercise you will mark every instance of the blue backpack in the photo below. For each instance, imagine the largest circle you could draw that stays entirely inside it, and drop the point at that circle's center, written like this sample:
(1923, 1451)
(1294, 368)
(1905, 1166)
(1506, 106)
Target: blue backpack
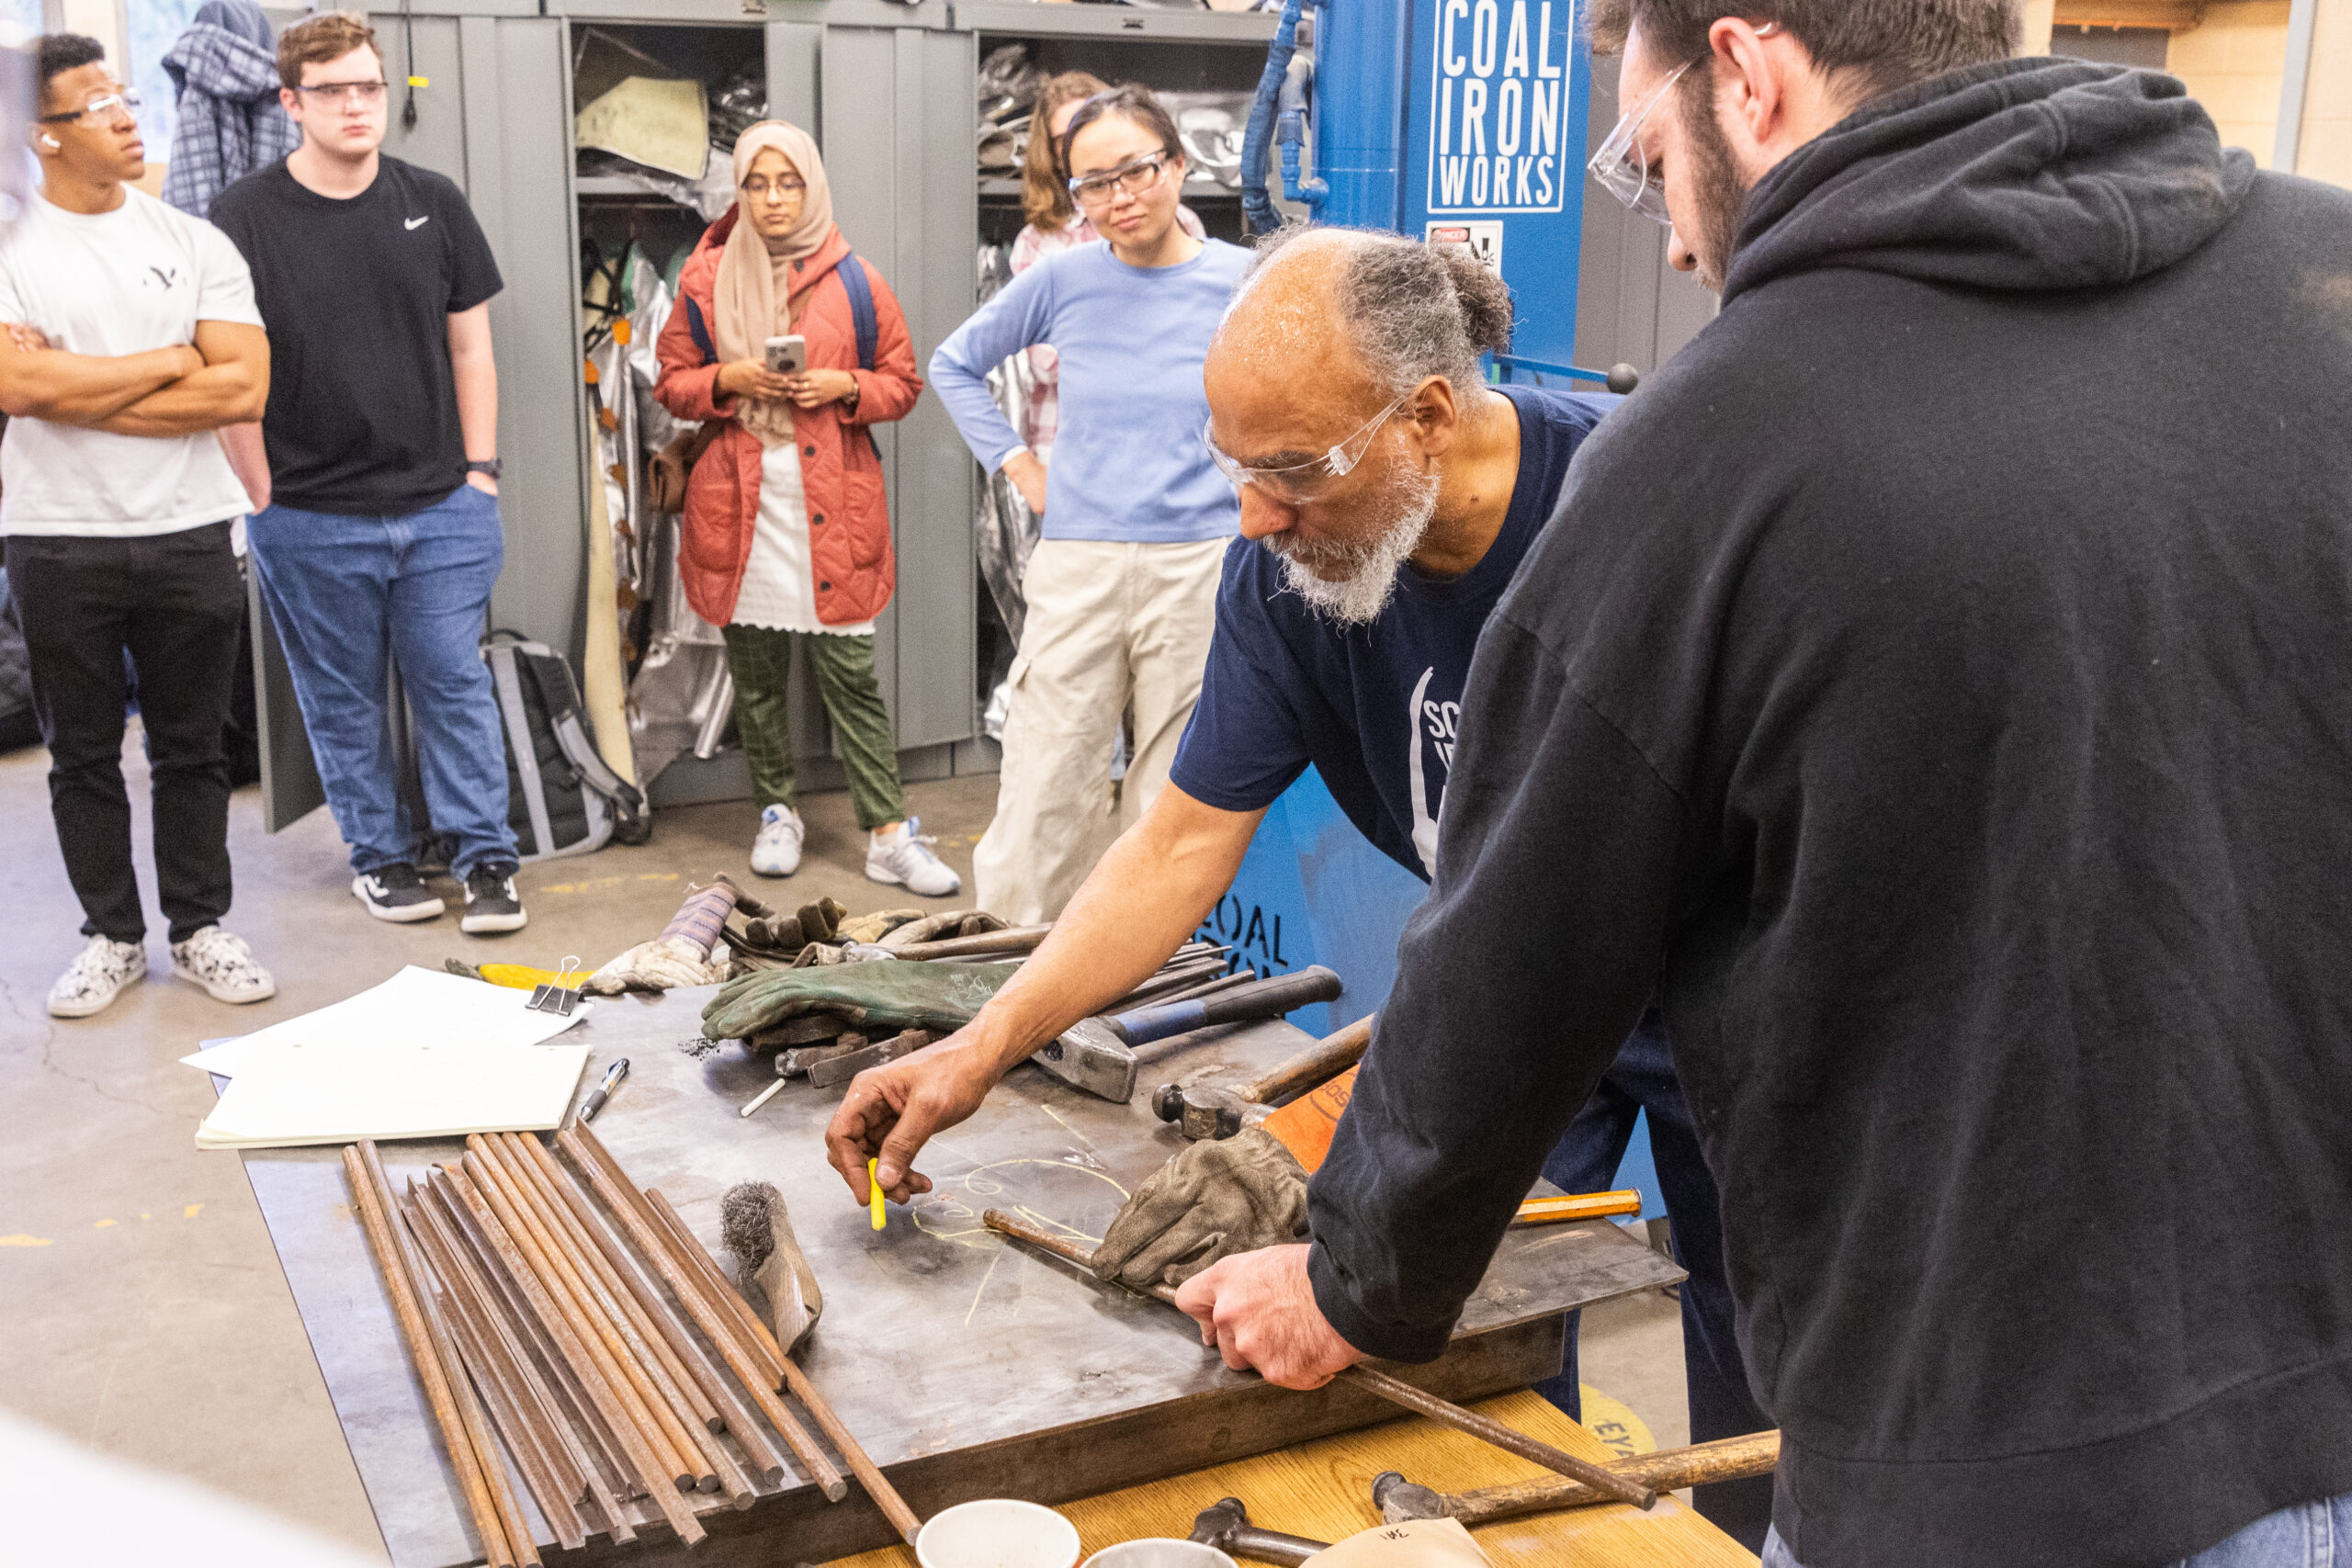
(860, 290)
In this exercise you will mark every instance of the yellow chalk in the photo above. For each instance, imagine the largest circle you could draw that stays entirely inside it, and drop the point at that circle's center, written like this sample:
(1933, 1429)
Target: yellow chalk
(873, 1189)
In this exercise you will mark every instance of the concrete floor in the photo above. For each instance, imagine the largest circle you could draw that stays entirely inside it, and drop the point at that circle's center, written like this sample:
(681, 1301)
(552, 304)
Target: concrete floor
(146, 1316)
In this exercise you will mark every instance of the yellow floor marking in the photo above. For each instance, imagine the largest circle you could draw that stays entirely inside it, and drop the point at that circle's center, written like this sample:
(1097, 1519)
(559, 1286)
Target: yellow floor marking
(191, 1211)
(101, 1224)
(1614, 1423)
(146, 1216)
(22, 1240)
(657, 876)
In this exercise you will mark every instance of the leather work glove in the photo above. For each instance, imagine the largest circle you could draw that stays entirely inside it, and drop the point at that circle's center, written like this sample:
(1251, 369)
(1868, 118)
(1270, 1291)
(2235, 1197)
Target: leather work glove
(878, 998)
(1218, 1197)
(659, 965)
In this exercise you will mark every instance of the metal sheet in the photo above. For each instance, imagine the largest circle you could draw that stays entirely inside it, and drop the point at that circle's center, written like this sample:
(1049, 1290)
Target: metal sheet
(967, 1367)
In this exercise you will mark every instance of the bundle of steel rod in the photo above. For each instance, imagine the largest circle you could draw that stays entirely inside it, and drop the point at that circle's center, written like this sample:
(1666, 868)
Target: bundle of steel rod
(533, 1304)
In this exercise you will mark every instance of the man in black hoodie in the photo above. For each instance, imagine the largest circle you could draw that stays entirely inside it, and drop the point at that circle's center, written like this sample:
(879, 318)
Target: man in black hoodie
(1933, 684)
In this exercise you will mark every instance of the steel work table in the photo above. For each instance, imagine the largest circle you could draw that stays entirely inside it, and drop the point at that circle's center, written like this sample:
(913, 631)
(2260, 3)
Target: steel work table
(967, 1367)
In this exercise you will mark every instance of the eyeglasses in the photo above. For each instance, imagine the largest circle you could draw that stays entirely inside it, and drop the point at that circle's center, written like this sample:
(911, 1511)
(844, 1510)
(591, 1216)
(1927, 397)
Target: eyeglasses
(122, 98)
(1303, 481)
(1620, 165)
(758, 186)
(343, 91)
(1131, 179)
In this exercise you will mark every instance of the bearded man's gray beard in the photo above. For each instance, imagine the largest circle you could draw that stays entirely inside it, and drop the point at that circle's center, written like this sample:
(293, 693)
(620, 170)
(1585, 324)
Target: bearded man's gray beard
(1365, 572)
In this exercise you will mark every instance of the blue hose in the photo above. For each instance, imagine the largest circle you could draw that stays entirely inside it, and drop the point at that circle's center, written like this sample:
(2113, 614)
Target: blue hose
(1257, 214)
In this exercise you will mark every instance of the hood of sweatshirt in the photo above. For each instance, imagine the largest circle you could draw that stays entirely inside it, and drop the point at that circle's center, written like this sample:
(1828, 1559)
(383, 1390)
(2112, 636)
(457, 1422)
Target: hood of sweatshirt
(2025, 175)
(211, 60)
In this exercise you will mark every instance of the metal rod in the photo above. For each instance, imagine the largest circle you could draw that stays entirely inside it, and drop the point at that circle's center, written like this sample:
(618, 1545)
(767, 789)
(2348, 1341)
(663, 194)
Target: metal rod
(646, 1463)
(377, 1226)
(1445, 1412)
(517, 1528)
(621, 1347)
(733, 1416)
(687, 1415)
(716, 1326)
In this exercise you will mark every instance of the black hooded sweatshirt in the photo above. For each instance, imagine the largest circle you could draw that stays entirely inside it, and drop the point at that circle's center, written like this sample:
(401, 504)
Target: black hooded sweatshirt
(1938, 682)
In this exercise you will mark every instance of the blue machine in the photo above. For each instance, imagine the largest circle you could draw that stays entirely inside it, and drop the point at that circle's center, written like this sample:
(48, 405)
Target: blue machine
(1459, 121)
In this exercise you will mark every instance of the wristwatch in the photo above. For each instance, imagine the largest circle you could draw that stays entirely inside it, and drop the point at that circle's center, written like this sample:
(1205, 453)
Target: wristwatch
(491, 466)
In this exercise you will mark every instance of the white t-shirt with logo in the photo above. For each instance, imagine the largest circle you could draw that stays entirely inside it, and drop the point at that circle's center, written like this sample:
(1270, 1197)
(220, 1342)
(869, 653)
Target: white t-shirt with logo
(112, 283)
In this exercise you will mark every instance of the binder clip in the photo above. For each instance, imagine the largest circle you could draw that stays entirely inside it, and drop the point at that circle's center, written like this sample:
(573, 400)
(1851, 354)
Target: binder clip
(552, 995)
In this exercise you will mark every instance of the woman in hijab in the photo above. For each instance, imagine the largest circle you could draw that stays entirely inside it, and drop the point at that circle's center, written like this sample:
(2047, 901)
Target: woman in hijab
(787, 532)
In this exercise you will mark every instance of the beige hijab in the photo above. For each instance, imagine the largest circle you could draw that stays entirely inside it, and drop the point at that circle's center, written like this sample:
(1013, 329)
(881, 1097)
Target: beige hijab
(753, 294)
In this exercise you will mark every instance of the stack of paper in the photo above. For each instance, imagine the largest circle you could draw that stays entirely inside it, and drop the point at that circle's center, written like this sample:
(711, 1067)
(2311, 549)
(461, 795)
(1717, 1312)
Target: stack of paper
(423, 1055)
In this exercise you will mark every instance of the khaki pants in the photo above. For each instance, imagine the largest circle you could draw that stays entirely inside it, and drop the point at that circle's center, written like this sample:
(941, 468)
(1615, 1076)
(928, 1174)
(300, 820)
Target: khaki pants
(1110, 627)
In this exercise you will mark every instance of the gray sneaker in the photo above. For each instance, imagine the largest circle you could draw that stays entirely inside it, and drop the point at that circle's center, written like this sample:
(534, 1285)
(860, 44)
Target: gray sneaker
(102, 971)
(223, 965)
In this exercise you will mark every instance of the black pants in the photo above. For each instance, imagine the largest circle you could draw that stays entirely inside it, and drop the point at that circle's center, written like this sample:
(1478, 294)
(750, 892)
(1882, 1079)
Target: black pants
(1721, 1406)
(174, 603)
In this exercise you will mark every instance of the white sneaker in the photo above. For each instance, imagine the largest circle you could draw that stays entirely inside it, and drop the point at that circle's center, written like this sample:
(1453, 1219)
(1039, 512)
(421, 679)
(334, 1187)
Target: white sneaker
(903, 858)
(777, 851)
(223, 965)
(99, 973)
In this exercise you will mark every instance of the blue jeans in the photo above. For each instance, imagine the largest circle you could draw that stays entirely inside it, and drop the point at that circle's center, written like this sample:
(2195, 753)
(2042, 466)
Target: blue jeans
(1641, 1078)
(352, 597)
(2309, 1535)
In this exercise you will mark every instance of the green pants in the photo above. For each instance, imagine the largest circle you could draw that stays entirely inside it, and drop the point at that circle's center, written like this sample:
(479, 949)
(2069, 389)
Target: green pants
(761, 661)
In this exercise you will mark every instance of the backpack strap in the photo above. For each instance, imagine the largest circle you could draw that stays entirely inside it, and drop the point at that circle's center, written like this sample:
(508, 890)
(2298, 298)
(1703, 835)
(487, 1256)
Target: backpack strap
(861, 308)
(701, 331)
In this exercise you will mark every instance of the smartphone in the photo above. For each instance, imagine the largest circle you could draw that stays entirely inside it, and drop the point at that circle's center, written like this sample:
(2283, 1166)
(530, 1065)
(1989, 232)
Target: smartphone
(788, 355)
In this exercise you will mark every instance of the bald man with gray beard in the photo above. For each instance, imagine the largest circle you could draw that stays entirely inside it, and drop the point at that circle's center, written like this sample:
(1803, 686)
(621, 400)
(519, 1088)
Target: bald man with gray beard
(1388, 494)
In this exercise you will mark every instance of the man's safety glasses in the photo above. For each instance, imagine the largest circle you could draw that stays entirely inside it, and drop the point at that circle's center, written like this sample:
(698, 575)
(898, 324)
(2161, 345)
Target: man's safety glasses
(361, 93)
(1134, 179)
(1303, 481)
(1620, 165)
(105, 104)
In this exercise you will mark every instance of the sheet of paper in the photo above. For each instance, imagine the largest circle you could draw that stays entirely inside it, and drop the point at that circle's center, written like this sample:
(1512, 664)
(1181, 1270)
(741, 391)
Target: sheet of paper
(288, 1091)
(415, 1004)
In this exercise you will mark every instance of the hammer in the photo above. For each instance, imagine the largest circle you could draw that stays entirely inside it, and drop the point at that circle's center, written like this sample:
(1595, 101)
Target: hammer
(1098, 1055)
(1206, 1113)
(1227, 1527)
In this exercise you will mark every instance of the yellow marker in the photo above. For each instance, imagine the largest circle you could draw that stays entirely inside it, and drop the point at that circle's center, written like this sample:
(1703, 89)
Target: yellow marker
(874, 1186)
(419, 82)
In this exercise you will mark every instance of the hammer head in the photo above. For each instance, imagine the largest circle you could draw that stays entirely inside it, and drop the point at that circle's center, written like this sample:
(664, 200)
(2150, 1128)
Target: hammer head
(1089, 1056)
(1214, 1525)
(1399, 1499)
(1200, 1111)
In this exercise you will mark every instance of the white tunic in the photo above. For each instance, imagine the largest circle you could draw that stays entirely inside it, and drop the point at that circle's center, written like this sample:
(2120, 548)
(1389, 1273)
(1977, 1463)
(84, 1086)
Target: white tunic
(779, 592)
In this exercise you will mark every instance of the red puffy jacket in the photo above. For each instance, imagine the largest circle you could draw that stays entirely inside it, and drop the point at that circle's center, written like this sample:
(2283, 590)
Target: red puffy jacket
(849, 513)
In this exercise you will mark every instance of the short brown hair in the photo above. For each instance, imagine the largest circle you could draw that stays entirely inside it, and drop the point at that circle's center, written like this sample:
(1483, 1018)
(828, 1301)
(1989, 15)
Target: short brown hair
(1045, 194)
(330, 35)
(1880, 45)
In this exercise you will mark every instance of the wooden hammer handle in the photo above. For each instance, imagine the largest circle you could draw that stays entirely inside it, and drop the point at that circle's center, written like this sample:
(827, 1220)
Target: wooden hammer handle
(1727, 1459)
(1318, 1063)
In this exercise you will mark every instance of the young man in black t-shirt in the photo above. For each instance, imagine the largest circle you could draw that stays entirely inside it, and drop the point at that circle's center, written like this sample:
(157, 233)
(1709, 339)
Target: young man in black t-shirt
(383, 540)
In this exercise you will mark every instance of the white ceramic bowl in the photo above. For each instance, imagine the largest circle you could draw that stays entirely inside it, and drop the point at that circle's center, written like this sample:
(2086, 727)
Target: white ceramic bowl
(997, 1532)
(1154, 1552)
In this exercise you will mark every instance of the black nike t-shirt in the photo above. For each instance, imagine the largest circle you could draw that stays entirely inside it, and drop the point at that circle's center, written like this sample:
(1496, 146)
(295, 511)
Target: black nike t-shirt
(357, 294)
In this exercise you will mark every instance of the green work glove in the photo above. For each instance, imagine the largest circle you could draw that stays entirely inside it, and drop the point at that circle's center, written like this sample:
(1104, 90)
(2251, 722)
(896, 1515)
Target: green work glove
(881, 998)
(1219, 1197)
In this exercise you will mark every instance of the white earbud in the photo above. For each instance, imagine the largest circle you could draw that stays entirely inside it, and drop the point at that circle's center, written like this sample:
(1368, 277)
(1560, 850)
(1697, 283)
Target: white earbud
(49, 140)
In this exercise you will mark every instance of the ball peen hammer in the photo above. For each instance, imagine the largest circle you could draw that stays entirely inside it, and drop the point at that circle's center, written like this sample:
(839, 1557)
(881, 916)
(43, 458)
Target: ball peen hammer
(1098, 1055)
(1202, 1111)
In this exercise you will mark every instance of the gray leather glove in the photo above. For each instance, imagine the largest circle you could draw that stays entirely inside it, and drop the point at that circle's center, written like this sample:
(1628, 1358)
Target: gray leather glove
(1218, 1197)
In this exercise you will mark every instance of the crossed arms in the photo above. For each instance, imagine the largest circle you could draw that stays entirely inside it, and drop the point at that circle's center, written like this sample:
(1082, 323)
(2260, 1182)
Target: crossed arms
(221, 379)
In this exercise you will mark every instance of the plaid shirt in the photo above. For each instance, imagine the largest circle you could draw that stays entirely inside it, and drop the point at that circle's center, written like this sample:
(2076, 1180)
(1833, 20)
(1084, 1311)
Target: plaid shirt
(230, 123)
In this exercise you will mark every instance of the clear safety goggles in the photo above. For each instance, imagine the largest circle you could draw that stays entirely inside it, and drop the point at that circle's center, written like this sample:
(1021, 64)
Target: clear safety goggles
(1620, 165)
(121, 101)
(1303, 481)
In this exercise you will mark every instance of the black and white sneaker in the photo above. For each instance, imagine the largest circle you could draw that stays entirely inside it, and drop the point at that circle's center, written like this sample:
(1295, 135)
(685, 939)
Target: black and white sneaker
(396, 893)
(491, 903)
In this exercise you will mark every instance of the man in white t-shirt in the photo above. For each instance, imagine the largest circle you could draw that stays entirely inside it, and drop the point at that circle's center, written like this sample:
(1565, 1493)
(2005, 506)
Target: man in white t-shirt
(131, 337)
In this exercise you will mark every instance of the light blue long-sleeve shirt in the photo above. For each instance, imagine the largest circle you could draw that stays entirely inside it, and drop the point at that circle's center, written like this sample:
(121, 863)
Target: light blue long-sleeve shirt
(1129, 463)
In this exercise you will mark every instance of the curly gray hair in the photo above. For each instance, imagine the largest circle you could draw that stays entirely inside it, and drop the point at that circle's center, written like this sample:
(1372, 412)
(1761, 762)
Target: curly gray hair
(1412, 309)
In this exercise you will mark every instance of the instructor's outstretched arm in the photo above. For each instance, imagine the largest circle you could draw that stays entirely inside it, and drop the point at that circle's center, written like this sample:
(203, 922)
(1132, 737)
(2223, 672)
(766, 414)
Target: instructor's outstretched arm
(1144, 897)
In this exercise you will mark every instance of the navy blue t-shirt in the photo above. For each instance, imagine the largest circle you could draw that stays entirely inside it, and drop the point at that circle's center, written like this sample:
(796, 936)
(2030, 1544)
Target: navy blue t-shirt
(1375, 708)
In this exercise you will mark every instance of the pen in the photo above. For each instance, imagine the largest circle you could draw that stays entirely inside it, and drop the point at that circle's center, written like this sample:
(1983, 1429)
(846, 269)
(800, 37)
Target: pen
(613, 1075)
(874, 1186)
